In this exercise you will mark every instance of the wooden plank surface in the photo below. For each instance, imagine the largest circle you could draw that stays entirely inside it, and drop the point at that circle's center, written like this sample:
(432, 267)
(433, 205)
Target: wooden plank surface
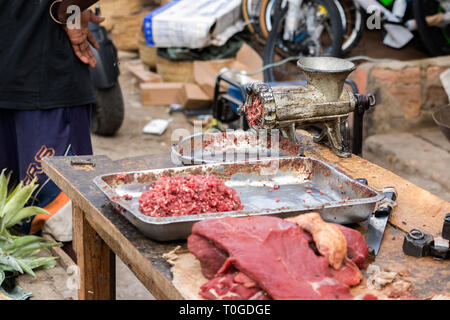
(95, 260)
(142, 255)
(416, 208)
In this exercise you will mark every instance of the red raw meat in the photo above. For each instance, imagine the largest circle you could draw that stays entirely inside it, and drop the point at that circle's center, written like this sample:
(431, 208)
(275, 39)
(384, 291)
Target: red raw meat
(357, 248)
(273, 253)
(329, 240)
(186, 195)
(210, 256)
(254, 112)
(232, 285)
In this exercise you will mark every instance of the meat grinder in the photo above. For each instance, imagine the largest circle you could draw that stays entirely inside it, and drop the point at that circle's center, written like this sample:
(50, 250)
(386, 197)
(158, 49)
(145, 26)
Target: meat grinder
(323, 102)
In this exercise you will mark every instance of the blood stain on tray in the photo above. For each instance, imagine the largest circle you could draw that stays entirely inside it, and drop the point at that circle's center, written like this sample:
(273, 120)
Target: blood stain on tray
(121, 176)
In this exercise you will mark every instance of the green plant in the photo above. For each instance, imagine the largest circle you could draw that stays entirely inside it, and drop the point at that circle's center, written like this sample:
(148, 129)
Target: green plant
(19, 253)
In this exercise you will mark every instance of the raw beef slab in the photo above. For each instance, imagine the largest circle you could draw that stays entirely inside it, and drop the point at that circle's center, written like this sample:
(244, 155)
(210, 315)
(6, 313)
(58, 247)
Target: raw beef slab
(276, 257)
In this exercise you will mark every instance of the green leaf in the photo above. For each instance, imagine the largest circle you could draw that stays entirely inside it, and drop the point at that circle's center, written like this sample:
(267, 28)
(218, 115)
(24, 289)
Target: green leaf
(20, 242)
(10, 262)
(26, 268)
(42, 262)
(18, 201)
(16, 189)
(2, 277)
(13, 219)
(32, 248)
(3, 189)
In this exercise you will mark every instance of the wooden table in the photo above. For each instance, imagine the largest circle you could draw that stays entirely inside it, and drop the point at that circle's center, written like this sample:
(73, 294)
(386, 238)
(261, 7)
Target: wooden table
(100, 232)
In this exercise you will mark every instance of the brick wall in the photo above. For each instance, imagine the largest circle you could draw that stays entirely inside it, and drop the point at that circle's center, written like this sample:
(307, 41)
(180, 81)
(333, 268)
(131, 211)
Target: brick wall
(407, 93)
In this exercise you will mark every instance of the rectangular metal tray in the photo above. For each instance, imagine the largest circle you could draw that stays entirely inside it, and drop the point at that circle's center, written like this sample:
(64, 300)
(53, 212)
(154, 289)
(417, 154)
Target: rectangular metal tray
(305, 184)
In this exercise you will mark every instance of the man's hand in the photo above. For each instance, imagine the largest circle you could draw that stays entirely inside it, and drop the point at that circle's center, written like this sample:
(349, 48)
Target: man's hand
(82, 37)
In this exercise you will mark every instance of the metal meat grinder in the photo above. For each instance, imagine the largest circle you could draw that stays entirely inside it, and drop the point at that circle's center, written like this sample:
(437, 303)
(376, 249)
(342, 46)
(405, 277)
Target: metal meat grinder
(323, 102)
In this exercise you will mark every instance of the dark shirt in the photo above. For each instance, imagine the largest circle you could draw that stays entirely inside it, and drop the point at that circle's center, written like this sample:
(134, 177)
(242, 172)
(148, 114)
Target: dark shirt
(38, 68)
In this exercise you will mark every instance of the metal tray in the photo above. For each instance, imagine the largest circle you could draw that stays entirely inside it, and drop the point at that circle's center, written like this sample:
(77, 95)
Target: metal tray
(305, 184)
(233, 146)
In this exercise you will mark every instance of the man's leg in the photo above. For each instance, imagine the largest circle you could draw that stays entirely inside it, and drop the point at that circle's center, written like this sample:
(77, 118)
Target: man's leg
(8, 144)
(44, 133)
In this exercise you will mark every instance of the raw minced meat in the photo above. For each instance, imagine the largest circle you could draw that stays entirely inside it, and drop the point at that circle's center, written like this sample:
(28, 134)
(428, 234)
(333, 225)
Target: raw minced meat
(254, 112)
(187, 195)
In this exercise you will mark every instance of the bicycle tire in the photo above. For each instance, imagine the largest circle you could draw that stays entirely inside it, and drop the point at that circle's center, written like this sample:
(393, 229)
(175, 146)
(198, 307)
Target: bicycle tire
(354, 26)
(336, 27)
(431, 37)
(265, 30)
(246, 15)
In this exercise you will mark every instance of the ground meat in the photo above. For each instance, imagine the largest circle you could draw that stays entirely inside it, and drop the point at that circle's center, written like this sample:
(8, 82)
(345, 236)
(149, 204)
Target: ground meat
(186, 195)
(254, 112)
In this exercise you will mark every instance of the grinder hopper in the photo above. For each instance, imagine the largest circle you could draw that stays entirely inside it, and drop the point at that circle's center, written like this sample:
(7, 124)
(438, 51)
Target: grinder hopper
(326, 74)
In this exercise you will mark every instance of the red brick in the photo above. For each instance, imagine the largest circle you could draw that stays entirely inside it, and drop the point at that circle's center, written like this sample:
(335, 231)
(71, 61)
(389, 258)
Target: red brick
(410, 75)
(433, 75)
(409, 98)
(360, 76)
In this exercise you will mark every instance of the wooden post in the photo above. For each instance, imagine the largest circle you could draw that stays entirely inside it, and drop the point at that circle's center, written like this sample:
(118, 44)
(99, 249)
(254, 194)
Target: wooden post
(95, 260)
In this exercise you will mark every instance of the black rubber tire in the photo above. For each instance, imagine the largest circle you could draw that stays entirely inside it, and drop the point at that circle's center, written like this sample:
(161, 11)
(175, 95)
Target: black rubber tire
(354, 24)
(336, 30)
(108, 112)
(432, 37)
(252, 20)
(265, 30)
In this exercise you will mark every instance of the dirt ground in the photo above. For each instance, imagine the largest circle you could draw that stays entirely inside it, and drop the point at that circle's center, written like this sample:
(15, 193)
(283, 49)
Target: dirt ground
(130, 141)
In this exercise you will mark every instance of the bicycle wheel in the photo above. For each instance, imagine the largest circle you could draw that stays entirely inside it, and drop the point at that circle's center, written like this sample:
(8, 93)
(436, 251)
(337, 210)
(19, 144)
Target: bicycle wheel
(435, 39)
(266, 16)
(248, 12)
(349, 11)
(318, 33)
(353, 25)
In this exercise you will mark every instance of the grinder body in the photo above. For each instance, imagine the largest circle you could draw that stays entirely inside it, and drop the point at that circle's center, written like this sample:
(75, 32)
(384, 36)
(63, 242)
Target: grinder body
(324, 102)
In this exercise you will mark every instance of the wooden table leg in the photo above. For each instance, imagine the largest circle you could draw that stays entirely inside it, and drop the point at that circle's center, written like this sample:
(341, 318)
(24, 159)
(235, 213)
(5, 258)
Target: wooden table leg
(95, 260)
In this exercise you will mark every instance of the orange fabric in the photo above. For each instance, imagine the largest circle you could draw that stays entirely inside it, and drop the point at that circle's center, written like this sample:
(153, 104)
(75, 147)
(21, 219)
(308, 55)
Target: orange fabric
(53, 207)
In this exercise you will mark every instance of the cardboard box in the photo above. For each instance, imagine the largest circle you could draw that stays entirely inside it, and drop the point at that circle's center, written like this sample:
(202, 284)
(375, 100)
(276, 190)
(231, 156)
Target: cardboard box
(205, 73)
(195, 98)
(197, 95)
(158, 94)
(247, 59)
(252, 61)
(142, 73)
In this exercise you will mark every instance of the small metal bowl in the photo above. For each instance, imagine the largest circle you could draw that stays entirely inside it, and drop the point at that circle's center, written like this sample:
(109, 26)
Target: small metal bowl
(442, 119)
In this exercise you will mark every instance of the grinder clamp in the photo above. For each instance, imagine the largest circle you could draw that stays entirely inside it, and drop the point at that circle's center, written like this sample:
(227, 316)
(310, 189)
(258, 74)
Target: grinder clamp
(323, 101)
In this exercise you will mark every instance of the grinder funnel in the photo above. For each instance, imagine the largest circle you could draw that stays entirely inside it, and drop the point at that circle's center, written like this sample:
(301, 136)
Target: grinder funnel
(326, 74)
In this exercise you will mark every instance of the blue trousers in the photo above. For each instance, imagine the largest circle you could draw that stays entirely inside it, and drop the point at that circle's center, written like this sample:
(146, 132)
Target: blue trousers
(26, 137)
